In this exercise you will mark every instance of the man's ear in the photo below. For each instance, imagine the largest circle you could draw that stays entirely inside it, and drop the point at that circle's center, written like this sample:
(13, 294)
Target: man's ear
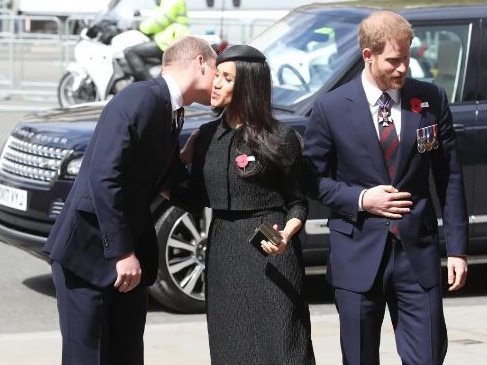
(201, 63)
(367, 55)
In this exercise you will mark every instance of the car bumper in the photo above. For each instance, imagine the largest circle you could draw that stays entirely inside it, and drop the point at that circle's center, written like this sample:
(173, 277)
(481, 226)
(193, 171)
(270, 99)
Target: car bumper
(28, 242)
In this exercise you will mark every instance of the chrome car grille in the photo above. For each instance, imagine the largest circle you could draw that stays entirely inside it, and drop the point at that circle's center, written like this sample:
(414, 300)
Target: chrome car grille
(30, 161)
(56, 207)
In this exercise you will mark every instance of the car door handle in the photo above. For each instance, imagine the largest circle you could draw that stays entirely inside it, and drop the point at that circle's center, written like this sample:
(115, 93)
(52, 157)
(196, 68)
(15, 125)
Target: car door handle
(459, 128)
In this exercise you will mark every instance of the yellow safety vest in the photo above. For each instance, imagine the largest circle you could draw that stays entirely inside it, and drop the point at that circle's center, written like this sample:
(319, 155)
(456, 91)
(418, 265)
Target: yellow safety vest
(169, 22)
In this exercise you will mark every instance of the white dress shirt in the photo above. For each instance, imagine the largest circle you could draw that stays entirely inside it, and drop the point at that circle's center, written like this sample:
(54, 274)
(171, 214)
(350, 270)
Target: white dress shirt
(176, 96)
(373, 94)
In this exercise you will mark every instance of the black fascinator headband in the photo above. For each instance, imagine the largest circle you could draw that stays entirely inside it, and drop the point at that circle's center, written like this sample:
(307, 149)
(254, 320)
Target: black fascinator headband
(241, 52)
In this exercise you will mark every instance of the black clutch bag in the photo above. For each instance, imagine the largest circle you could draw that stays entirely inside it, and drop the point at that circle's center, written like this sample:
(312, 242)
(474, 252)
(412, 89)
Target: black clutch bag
(267, 233)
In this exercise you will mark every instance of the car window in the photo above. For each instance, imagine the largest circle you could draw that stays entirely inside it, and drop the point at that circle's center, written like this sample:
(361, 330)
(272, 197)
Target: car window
(306, 51)
(438, 55)
(310, 51)
(482, 77)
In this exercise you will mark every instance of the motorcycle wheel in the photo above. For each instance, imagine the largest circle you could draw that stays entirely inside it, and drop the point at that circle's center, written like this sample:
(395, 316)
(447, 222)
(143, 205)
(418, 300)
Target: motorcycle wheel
(67, 96)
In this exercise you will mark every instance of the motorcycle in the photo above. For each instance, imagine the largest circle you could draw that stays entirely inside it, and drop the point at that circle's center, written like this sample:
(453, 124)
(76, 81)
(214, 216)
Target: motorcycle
(100, 69)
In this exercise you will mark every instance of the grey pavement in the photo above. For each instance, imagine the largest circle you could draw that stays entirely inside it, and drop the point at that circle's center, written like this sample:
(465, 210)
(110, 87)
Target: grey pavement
(186, 343)
(10, 102)
(182, 340)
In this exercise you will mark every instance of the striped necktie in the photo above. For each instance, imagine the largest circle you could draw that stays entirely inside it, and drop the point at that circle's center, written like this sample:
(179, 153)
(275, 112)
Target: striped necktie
(389, 143)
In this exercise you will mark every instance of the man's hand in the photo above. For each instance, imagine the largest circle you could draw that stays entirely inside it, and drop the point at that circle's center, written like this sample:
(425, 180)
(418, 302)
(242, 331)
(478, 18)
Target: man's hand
(457, 272)
(386, 201)
(128, 273)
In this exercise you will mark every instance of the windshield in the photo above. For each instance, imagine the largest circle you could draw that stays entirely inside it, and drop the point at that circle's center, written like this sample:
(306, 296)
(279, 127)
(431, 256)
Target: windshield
(306, 51)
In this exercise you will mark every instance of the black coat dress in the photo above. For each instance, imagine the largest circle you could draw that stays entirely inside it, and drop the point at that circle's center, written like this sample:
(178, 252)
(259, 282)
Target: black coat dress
(256, 304)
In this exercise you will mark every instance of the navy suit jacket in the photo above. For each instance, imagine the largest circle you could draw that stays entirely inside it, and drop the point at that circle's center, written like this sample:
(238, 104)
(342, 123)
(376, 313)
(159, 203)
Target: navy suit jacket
(107, 213)
(343, 155)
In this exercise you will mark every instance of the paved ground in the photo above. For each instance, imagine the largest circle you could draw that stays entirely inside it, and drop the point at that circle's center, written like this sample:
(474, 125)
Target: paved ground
(186, 343)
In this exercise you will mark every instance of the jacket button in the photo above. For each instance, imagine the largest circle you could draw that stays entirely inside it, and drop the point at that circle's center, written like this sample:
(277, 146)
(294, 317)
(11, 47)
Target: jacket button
(104, 239)
(388, 223)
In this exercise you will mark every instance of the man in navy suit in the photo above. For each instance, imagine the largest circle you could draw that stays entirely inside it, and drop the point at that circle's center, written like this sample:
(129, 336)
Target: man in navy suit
(103, 246)
(370, 159)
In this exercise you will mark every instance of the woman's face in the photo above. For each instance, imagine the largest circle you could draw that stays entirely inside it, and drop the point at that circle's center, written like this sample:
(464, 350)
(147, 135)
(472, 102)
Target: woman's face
(221, 94)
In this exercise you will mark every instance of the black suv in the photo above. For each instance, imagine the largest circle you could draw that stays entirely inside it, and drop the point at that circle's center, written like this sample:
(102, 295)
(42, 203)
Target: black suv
(310, 51)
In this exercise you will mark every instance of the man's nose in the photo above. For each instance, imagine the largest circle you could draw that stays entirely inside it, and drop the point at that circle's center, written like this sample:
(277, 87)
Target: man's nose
(403, 67)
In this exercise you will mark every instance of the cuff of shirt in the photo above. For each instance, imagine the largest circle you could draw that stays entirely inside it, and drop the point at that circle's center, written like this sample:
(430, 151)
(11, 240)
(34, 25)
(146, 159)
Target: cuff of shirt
(360, 198)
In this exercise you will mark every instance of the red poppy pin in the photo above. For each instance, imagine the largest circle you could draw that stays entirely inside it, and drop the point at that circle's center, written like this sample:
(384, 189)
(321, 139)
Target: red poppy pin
(243, 160)
(417, 105)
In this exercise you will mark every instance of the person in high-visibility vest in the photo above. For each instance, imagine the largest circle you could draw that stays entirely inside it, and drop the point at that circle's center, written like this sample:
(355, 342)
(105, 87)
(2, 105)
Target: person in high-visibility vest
(169, 22)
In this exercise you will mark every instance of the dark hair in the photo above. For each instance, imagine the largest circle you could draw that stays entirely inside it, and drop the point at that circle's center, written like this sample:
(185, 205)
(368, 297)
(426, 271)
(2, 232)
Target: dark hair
(252, 102)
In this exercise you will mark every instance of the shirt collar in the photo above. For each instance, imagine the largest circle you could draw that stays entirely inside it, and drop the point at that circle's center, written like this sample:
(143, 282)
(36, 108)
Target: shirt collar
(373, 94)
(224, 128)
(175, 92)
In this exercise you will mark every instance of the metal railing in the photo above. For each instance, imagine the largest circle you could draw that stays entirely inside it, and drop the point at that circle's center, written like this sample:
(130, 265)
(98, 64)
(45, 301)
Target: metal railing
(33, 62)
(30, 62)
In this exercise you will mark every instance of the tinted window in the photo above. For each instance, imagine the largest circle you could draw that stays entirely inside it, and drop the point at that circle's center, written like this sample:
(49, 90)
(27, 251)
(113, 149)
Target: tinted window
(306, 51)
(438, 54)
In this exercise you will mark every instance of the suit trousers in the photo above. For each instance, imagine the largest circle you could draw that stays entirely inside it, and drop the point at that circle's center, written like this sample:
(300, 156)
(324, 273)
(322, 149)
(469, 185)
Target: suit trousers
(99, 326)
(416, 315)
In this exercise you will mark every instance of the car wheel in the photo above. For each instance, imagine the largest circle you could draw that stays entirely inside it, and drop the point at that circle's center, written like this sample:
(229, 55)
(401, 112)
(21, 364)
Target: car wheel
(180, 283)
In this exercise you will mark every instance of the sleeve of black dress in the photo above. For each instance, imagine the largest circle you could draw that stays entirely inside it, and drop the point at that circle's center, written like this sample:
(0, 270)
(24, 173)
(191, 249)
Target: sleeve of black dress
(294, 197)
(190, 194)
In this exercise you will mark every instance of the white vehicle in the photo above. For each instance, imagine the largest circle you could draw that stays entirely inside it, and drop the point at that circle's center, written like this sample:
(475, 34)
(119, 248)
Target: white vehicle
(58, 7)
(100, 70)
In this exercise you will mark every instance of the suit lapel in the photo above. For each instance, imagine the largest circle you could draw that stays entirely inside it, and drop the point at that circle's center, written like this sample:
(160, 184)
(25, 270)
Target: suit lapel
(166, 152)
(410, 122)
(362, 121)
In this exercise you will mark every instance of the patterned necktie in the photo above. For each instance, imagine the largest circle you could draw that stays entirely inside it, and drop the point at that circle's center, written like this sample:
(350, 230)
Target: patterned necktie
(389, 142)
(179, 120)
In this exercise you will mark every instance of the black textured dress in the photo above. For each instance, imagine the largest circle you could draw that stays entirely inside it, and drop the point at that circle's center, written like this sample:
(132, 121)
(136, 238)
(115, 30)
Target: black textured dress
(257, 311)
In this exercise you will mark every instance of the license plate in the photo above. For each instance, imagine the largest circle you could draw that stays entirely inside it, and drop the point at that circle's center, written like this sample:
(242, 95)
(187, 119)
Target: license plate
(13, 198)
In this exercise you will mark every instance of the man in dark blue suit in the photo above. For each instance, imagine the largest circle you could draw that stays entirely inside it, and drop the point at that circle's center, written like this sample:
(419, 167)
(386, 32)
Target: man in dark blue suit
(103, 246)
(370, 157)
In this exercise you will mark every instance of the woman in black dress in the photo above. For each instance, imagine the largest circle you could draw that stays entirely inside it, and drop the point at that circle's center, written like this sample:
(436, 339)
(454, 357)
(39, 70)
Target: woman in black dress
(245, 167)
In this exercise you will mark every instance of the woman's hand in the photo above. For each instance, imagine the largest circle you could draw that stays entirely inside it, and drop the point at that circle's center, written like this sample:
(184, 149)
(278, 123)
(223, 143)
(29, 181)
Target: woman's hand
(272, 249)
(166, 194)
(292, 227)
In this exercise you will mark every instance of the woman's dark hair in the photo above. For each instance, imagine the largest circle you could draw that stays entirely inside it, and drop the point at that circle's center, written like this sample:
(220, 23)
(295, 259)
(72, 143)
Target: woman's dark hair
(252, 102)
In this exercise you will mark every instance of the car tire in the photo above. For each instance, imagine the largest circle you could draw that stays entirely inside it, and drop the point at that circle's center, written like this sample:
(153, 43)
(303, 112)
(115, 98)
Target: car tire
(180, 283)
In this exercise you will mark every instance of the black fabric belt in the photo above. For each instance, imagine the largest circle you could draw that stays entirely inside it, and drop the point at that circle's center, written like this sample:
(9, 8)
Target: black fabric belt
(242, 214)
